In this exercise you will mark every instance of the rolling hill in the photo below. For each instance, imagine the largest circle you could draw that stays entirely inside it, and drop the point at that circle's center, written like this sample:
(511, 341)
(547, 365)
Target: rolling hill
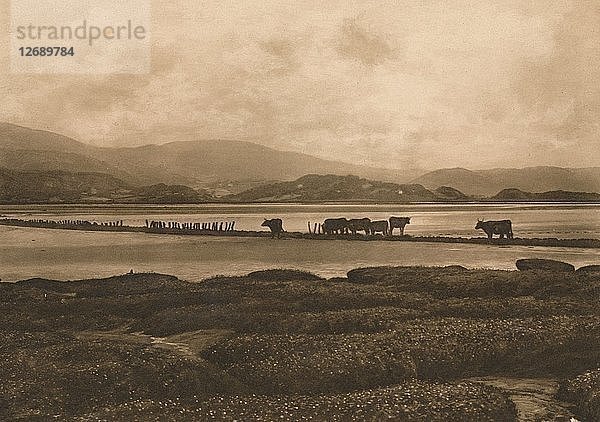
(530, 179)
(194, 163)
(450, 194)
(30, 150)
(23, 187)
(38, 160)
(18, 187)
(14, 137)
(319, 188)
(553, 196)
(57, 186)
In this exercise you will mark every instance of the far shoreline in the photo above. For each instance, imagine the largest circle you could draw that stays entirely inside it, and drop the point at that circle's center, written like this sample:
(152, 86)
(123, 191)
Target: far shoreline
(296, 203)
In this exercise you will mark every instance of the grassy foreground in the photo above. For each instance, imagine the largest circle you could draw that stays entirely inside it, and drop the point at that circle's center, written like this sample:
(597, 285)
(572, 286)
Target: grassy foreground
(383, 343)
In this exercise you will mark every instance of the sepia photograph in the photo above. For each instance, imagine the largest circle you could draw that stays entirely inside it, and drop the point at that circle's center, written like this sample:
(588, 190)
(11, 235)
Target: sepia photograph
(277, 210)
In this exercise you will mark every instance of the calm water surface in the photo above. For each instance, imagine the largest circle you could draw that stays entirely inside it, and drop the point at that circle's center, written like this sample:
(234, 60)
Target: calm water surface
(62, 254)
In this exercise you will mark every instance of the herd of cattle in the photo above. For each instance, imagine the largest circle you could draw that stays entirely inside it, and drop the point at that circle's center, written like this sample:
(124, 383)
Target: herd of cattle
(356, 225)
(331, 226)
(339, 226)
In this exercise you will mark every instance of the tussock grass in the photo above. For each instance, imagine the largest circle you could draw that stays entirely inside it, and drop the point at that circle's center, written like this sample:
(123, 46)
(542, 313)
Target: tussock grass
(312, 364)
(283, 275)
(584, 391)
(381, 342)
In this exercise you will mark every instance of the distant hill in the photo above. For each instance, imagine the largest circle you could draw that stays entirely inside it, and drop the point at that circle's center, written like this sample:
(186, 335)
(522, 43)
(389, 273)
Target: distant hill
(198, 163)
(317, 188)
(14, 137)
(225, 167)
(65, 187)
(530, 179)
(57, 186)
(466, 181)
(554, 196)
(193, 163)
(450, 194)
(31, 150)
(37, 160)
(169, 194)
(88, 187)
(544, 179)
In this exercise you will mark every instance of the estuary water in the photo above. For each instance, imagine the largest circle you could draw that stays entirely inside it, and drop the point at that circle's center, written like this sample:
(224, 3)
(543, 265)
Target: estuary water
(68, 255)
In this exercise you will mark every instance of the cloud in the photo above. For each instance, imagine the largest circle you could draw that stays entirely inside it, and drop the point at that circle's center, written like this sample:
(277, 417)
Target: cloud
(394, 84)
(359, 44)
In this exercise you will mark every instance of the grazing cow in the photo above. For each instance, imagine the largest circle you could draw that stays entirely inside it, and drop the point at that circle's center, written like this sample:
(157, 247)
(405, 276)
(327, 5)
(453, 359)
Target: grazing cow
(399, 222)
(276, 226)
(335, 226)
(358, 224)
(379, 226)
(502, 227)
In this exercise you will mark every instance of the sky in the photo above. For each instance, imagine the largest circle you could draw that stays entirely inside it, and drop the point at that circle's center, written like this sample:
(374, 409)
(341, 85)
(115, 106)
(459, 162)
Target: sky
(396, 84)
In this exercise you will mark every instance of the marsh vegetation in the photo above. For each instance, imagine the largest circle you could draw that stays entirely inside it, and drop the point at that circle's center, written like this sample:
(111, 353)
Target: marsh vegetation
(407, 343)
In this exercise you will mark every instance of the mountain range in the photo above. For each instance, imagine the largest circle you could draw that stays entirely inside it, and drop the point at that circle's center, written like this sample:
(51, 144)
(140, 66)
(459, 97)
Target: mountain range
(54, 186)
(512, 195)
(486, 183)
(202, 169)
(199, 163)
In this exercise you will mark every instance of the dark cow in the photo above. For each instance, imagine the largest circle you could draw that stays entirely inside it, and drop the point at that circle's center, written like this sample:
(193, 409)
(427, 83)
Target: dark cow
(379, 226)
(398, 222)
(276, 226)
(501, 227)
(359, 224)
(335, 226)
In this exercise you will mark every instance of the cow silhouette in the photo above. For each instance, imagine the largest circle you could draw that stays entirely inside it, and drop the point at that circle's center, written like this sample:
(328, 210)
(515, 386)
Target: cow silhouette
(359, 224)
(500, 227)
(335, 226)
(379, 226)
(398, 222)
(276, 226)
